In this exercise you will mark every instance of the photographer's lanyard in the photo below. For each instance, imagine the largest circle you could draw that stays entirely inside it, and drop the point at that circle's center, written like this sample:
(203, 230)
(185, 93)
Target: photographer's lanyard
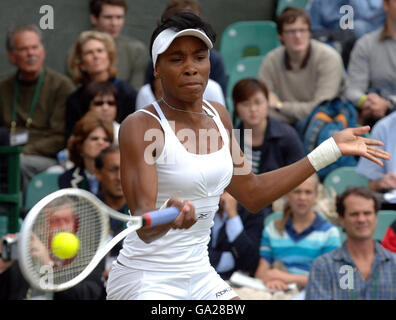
(32, 106)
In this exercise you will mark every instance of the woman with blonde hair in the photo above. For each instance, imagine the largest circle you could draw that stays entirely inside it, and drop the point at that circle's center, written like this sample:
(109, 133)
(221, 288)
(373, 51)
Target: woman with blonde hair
(81, 71)
(296, 239)
(93, 59)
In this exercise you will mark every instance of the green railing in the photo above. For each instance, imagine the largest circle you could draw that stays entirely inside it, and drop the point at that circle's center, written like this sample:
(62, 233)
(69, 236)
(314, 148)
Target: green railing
(10, 187)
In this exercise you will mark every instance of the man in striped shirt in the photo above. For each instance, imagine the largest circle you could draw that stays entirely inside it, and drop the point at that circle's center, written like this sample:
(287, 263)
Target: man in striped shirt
(361, 269)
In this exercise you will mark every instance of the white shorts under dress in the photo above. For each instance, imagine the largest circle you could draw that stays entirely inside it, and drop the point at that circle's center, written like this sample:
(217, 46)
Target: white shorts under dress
(158, 285)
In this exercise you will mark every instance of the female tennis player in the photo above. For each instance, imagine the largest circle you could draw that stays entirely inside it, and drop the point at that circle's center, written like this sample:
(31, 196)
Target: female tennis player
(180, 151)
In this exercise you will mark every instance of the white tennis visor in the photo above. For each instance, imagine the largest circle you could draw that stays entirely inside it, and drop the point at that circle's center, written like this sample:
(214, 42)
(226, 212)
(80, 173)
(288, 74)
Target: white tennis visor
(166, 37)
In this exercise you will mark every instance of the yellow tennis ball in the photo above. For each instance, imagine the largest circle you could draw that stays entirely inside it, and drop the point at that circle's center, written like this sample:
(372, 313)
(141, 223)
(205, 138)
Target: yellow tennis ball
(65, 245)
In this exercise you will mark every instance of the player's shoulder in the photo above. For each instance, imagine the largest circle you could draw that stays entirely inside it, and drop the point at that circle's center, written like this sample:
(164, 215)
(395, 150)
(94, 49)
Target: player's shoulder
(223, 114)
(140, 122)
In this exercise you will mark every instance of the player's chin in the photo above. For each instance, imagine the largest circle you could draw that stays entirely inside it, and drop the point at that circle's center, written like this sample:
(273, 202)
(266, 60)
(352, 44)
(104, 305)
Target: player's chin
(192, 92)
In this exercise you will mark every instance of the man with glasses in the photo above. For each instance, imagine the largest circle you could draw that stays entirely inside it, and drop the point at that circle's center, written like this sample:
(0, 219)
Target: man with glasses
(301, 73)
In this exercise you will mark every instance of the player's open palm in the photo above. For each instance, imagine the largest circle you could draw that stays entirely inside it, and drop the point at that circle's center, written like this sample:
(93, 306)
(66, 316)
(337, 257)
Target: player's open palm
(350, 143)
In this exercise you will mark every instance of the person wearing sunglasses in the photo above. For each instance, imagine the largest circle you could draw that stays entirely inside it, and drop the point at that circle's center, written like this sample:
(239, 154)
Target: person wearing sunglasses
(101, 99)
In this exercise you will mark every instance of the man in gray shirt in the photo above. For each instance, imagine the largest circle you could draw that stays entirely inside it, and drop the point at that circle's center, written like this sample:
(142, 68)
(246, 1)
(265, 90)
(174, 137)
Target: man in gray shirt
(303, 72)
(371, 80)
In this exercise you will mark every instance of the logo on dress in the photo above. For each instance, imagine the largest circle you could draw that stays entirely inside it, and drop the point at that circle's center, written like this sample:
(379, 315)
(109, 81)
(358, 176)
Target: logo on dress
(203, 216)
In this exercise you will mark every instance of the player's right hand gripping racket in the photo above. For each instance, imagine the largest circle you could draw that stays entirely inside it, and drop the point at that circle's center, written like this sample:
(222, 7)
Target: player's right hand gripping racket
(79, 212)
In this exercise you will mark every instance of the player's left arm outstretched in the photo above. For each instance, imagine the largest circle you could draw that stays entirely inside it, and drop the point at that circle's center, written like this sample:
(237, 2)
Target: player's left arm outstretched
(255, 192)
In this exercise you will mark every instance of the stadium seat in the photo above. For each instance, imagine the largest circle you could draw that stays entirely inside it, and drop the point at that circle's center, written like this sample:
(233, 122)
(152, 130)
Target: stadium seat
(41, 185)
(384, 220)
(341, 178)
(4, 230)
(283, 4)
(246, 67)
(247, 38)
(342, 234)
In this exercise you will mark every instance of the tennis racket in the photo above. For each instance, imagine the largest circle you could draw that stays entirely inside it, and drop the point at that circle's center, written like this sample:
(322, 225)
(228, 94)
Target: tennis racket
(80, 212)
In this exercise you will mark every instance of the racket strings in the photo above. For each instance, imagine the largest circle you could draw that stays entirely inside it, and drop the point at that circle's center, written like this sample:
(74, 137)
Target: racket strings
(72, 214)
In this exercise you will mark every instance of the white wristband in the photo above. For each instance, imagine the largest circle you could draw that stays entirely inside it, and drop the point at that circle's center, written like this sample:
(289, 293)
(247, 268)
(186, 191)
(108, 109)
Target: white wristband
(324, 154)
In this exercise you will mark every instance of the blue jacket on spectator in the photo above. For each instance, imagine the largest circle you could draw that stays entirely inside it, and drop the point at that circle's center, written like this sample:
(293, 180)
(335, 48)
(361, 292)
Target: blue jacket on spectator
(368, 15)
(245, 232)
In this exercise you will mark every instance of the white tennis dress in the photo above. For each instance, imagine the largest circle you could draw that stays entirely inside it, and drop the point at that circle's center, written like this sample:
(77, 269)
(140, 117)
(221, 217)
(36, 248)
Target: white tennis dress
(176, 266)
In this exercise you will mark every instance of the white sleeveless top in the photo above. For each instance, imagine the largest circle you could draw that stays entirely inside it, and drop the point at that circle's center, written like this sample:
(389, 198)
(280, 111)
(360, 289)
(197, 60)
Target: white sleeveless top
(198, 178)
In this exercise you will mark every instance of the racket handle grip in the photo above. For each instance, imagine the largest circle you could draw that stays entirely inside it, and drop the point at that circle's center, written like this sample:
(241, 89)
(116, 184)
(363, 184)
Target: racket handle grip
(157, 217)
